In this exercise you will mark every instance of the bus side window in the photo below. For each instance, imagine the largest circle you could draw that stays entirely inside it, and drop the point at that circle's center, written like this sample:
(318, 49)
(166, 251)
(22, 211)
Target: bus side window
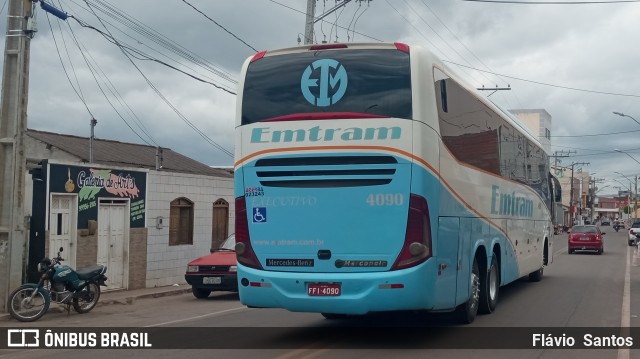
(441, 82)
(443, 95)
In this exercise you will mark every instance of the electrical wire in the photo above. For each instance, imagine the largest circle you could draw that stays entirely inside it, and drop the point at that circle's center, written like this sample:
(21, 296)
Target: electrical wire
(154, 36)
(342, 27)
(160, 39)
(64, 69)
(548, 84)
(441, 38)
(220, 26)
(466, 47)
(3, 5)
(142, 56)
(552, 2)
(433, 45)
(112, 88)
(101, 89)
(356, 22)
(154, 50)
(157, 91)
(353, 18)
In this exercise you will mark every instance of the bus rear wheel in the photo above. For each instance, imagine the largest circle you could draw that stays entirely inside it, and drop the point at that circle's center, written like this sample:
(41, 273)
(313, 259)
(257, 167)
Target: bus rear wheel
(467, 312)
(490, 287)
(333, 315)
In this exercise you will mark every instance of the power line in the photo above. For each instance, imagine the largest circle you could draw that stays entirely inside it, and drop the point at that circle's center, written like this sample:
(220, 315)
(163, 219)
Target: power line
(342, 27)
(142, 56)
(157, 91)
(64, 69)
(220, 26)
(157, 39)
(112, 88)
(547, 84)
(464, 45)
(552, 2)
(441, 38)
(597, 134)
(154, 36)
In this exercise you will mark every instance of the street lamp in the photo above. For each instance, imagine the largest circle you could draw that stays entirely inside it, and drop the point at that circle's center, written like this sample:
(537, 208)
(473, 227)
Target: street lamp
(627, 153)
(635, 203)
(623, 115)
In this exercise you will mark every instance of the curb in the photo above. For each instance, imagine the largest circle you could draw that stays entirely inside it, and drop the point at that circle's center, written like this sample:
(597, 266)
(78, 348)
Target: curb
(124, 300)
(127, 300)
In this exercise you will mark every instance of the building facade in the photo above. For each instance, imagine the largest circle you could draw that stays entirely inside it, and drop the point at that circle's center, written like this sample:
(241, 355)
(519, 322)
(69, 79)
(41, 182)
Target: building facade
(539, 121)
(144, 212)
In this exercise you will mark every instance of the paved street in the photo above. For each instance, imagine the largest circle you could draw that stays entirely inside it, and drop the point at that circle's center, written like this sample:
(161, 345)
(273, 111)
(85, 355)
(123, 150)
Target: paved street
(578, 290)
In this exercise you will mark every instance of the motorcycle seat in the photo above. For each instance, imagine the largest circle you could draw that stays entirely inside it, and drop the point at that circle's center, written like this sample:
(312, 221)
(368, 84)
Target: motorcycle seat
(88, 272)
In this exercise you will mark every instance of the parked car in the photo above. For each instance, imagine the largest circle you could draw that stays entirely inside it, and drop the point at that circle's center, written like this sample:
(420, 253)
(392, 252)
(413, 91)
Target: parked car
(605, 222)
(214, 272)
(633, 231)
(586, 237)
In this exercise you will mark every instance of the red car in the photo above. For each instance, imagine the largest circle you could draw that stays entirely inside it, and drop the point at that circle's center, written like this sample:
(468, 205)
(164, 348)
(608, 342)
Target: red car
(586, 237)
(216, 271)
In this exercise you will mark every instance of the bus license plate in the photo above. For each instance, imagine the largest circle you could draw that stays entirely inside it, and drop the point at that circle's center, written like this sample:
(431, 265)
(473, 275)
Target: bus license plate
(324, 289)
(211, 280)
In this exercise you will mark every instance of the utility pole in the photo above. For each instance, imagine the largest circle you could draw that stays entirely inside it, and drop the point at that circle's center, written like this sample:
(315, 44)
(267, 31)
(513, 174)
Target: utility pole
(13, 126)
(312, 19)
(571, 208)
(308, 29)
(592, 193)
(560, 154)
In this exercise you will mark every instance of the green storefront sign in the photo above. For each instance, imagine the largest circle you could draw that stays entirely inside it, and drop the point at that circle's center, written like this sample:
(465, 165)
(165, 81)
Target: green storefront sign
(93, 183)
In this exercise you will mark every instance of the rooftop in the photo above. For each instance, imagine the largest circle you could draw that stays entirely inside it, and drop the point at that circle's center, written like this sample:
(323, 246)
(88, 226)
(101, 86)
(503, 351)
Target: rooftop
(115, 153)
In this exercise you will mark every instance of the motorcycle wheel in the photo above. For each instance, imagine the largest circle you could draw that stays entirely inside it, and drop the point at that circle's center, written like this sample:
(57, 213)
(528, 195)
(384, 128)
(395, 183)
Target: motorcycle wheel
(87, 298)
(25, 310)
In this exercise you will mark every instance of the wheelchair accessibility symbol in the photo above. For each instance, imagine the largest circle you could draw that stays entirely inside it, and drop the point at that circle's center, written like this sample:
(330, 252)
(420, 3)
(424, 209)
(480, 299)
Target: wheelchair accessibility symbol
(259, 215)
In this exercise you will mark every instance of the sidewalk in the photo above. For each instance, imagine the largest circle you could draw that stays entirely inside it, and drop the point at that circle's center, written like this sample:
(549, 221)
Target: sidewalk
(129, 296)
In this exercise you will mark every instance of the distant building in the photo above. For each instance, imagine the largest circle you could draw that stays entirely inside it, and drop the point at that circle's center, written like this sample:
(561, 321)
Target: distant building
(539, 121)
(609, 207)
(143, 211)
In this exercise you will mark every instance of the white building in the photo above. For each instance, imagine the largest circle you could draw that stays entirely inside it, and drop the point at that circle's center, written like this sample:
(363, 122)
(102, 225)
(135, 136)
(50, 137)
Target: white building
(539, 121)
(144, 211)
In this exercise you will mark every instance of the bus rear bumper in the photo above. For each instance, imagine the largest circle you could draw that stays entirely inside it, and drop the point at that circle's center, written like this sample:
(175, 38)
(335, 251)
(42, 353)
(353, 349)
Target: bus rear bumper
(360, 293)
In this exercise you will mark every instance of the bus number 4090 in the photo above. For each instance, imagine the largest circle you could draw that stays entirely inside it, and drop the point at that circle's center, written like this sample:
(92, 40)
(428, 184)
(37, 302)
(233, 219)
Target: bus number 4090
(324, 289)
(385, 199)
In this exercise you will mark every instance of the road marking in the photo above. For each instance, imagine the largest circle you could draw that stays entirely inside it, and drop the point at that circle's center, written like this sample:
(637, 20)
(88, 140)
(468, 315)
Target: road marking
(625, 320)
(197, 317)
(303, 353)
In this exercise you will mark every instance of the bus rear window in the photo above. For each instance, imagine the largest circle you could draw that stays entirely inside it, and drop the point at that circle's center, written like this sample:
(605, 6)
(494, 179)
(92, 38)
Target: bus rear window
(375, 82)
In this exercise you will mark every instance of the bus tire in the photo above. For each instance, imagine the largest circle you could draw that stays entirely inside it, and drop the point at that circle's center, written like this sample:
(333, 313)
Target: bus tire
(333, 316)
(466, 312)
(537, 275)
(490, 287)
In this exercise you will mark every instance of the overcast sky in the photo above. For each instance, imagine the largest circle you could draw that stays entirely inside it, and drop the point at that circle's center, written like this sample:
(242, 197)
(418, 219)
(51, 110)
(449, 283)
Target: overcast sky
(579, 62)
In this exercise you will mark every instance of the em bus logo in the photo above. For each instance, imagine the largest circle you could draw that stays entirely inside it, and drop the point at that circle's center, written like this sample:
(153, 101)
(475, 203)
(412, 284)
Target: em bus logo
(327, 82)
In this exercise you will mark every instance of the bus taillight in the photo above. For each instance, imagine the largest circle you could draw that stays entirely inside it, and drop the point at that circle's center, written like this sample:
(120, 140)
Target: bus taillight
(417, 241)
(244, 250)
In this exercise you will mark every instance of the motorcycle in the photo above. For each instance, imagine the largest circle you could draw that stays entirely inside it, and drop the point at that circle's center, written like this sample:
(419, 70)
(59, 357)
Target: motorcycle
(58, 283)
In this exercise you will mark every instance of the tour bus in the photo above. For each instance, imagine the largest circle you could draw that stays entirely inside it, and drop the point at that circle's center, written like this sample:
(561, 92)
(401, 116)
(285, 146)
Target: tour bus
(370, 178)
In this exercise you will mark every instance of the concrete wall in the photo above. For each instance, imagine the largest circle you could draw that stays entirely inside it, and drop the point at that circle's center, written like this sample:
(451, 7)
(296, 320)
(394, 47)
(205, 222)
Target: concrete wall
(167, 264)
